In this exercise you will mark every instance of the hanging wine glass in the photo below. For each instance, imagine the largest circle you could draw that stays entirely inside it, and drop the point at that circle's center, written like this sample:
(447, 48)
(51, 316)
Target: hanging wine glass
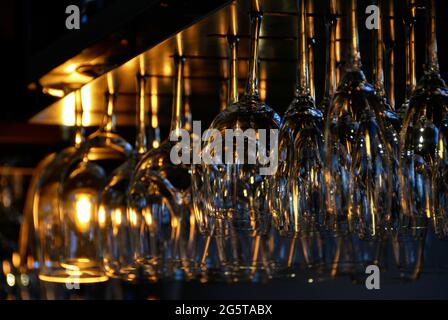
(206, 223)
(357, 160)
(158, 201)
(243, 195)
(80, 195)
(298, 182)
(43, 203)
(114, 221)
(410, 58)
(435, 93)
(237, 192)
(422, 140)
(390, 119)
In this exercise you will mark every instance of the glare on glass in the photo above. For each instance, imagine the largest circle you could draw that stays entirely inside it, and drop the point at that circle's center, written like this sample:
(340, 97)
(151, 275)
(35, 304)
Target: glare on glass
(357, 165)
(80, 194)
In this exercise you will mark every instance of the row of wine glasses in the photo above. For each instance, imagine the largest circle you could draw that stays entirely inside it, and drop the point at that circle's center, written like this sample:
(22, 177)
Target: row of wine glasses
(350, 175)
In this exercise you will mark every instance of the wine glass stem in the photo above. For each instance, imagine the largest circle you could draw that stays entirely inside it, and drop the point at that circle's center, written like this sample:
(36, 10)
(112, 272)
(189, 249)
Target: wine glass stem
(109, 118)
(432, 63)
(354, 62)
(390, 82)
(330, 79)
(379, 56)
(410, 50)
(79, 130)
(303, 80)
(233, 72)
(255, 22)
(310, 43)
(140, 140)
(178, 120)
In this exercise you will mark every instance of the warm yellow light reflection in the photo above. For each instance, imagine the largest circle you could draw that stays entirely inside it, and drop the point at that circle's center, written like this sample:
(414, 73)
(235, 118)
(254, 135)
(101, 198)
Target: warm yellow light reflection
(102, 217)
(68, 110)
(132, 217)
(86, 94)
(54, 92)
(148, 217)
(84, 209)
(6, 267)
(70, 68)
(117, 218)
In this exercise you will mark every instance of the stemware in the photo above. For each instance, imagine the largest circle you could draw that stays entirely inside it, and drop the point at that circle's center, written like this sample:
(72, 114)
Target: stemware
(80, 195)
(311, 42)
(204, 220)
(390, 48)
(440, 99)
(237, 188)
(43, 204)
(422, 141)
(237, 192)
(114, 221)
(410, 57)
(330, 59)
(296, 198)
(164, 227)
(357, 169)
(390, 119)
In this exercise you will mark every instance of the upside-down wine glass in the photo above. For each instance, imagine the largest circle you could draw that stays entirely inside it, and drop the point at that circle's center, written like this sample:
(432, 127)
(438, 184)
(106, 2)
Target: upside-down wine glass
(159, 200)
(115, 222)
(357, 168)
(422, 138)
(80, 195)
(422, 145)
(238, 180)
(298, 183)
(43, 203)
(436, 93)
(390, 119)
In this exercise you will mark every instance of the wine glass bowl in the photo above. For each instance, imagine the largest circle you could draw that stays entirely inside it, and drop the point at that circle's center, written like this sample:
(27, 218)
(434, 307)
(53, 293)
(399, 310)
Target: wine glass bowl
(358, 170)
(421, 140)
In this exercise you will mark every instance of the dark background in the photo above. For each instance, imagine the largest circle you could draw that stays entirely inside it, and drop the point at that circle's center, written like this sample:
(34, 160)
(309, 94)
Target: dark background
(29, 27)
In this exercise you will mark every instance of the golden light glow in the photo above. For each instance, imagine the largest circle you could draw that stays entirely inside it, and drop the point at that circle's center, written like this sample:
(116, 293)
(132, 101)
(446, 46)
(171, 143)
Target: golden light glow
(233, 18)
(54, 92)
(84, 211)
(142, 64)
(132, 217)
(180, 49)
(30, 262)
(16, 260)
(154, 121)
(68, 110)
(111, 83)
(6, 267)
(148, 217)
(70, 68)
(73, 280)
(86, 94)
(117, 218)
(368, 147)
(102, 217)
(155, 144)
